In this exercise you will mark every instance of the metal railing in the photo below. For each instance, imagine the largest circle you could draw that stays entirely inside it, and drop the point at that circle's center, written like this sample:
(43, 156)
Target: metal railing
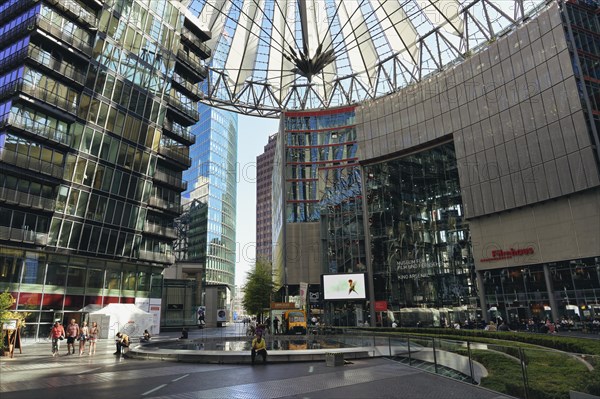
(26, 162)
(158, 229)
(75, 9)
(19, 30)
(47, 132)
(188, 86)
(10, 9)
(39, 93)
(63, 35)
(173, 154)
(192, 39)
(179, 130)
(192, 62)
(13, 59)
(156, 257)
(170, 180)
(520, 370)
(36, 54)
(163, 204)
(27, 199)
(23, 235)
(185, 108)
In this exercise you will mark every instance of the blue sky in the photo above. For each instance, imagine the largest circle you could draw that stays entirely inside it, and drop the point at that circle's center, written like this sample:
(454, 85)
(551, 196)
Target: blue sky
(253, 135)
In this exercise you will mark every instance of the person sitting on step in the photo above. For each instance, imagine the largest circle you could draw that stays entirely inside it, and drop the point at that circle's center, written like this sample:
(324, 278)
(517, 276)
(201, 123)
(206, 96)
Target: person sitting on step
(259, 347)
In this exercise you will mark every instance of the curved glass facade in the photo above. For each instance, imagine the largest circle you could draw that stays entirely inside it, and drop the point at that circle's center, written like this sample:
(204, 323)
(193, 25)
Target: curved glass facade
(212, 180)
(420, 240)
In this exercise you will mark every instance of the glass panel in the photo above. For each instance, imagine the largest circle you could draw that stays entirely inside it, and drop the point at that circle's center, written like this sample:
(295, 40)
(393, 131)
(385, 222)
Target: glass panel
(76, 277)
(34, 271)
(95, 278)
(10, 269)
(113, 278)
(57, 275)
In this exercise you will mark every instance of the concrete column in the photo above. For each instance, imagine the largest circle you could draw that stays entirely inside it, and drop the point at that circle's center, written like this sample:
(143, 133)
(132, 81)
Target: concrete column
(482, 301)
(371, 284)
(550, 291)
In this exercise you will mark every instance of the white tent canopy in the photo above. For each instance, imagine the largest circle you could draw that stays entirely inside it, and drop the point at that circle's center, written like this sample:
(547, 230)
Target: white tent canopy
(122, 317)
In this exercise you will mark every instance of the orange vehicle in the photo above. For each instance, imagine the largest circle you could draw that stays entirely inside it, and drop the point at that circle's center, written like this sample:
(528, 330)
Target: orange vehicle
(294, 322)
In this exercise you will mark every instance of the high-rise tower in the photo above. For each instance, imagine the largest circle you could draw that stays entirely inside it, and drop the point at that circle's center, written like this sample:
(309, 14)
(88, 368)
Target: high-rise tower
(264, 177)
(95, 103)
(212, 183)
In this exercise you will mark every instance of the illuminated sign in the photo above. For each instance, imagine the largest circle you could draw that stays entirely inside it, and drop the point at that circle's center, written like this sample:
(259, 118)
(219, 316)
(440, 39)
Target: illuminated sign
(500, 254)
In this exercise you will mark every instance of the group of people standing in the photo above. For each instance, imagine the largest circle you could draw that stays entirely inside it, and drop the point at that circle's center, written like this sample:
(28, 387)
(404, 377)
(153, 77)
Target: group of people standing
(74, 333)
(253, 325)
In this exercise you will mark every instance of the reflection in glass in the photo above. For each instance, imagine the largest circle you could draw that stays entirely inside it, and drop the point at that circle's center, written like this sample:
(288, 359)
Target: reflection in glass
(420, 239)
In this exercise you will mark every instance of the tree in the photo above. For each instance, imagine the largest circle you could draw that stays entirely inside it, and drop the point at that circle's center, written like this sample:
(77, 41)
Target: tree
(7, 301)
(258, 289)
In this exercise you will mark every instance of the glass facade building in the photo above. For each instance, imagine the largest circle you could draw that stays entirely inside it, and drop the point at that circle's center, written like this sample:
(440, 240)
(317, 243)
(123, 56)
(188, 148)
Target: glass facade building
(420, 243)
(212, 181)
(95, 103)
(320, 176)
(486, 177)
(470, 195)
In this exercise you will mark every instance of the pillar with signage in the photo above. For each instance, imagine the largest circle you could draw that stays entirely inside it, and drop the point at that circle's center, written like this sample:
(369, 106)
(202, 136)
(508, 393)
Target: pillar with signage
(11, 332)
(216, 301)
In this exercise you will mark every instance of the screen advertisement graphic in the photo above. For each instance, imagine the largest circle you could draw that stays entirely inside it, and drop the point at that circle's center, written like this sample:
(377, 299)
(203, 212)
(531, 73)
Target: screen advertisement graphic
(347, 286)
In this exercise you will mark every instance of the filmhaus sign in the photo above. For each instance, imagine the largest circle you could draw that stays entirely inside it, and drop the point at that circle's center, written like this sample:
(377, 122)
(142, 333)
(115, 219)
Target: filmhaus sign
(500, 254)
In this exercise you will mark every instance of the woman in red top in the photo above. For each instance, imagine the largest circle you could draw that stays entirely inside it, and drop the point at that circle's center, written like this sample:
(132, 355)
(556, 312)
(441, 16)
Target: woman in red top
(56, 334)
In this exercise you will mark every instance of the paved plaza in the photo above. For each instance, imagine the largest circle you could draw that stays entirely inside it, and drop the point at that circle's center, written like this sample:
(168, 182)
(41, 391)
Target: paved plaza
(36, 374)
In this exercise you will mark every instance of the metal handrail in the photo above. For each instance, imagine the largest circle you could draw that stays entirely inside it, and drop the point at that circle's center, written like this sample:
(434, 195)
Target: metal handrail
(27, 199)
(62, 67)
(26, 162)
(36, 128)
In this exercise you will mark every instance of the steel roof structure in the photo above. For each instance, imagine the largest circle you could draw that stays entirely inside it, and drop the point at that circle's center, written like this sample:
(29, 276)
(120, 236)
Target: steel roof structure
(274, 55)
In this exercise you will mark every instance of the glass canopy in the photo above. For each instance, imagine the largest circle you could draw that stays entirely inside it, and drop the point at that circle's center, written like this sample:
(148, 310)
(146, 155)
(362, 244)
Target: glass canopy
(274, 55)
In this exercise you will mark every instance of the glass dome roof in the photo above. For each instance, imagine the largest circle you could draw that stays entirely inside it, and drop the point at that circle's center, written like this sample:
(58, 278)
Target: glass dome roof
(274, 55)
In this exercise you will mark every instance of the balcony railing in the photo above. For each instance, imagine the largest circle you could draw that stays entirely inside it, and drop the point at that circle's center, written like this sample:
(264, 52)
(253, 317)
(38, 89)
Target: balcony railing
(27, 200)
(7, 233)
(47, 132)
(177, 156)
(192, 63)
(170, 180)
(17, 31)
(185, 108)
(160, 230)
(180, 131)
(190, 88)
(156, 257)
(163, 204)
(39, 93)
(12, 8)
(14, 59)
(74, 9)
(193, 41)
(60, 67)
(66, 37)
(26, 162)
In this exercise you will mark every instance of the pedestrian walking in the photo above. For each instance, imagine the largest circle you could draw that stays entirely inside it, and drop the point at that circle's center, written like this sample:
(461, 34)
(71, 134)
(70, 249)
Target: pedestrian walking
(72, 335)
(93, 338)
(83, 337)
(57, 334)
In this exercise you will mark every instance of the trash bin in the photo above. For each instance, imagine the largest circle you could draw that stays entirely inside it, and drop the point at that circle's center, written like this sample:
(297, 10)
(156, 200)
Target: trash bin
(333, 359)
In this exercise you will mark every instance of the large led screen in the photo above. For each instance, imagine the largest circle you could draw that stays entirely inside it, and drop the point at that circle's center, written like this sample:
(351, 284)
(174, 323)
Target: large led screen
(344, 286)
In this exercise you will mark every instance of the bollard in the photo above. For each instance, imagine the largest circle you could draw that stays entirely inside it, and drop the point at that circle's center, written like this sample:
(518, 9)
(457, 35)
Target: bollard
(333, 359)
